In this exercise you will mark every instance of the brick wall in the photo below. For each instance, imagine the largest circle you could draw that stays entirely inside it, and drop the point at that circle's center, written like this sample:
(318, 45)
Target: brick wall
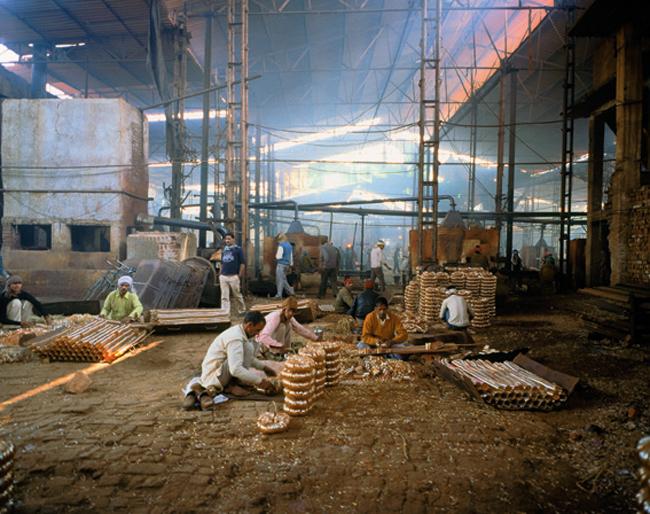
(638, 254)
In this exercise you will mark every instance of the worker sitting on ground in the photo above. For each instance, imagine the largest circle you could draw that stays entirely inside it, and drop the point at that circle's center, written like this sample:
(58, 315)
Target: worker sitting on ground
(17, 307)
(230, 366)
(478, 260)
(454, 310)
(364, 303)
(276, 335)
(344, 299)
(383, 328)
(122, 304)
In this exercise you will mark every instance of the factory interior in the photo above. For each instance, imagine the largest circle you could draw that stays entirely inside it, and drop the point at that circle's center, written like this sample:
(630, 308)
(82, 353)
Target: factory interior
(321, 256)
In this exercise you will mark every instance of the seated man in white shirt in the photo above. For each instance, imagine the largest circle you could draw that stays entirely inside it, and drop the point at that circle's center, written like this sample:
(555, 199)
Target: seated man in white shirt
(229, 364)
(455, 311)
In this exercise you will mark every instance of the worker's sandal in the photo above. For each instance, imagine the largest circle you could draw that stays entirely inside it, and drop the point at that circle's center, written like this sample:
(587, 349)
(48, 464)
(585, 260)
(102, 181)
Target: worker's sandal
(189, 402)
(205, 400)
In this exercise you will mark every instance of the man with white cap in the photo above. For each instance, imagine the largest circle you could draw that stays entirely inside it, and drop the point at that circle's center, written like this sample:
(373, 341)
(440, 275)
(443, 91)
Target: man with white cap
(18, 306)
(455, 311)
(122, 304)
(377, 263)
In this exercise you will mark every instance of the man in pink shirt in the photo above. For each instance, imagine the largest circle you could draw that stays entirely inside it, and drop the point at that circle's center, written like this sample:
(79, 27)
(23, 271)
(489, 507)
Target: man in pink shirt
(276, 335)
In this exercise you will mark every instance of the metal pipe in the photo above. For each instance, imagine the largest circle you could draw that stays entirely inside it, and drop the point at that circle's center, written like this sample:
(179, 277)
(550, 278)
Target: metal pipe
(205, 128)
(182, 223)
(363, 233)
(243, 127)
(258, 226)
(511, 165)
(498, 196)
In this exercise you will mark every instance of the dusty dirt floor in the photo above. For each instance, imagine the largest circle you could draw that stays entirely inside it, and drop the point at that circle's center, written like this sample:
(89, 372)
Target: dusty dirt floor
(369, 446)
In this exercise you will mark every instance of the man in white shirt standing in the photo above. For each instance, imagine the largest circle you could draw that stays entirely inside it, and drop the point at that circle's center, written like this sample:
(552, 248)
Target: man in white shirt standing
(377, 263)
(455, 311)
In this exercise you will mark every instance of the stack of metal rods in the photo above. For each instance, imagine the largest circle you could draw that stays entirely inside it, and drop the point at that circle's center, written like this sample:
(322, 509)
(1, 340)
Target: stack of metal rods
(188, 316)
(7, 452)
(508, 386)
(96, 341)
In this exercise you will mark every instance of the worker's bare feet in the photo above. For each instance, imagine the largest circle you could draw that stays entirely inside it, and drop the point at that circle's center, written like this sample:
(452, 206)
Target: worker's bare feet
(236, 390)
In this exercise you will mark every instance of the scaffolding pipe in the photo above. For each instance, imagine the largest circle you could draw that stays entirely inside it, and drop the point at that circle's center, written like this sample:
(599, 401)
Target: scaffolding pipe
(498, 196)
(258, 225)
(205, 128)
(230, 182)
(511, 165)
(243, 127)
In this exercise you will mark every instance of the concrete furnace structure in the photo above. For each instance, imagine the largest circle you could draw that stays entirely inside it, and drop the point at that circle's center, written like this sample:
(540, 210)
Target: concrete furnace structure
(74, 177)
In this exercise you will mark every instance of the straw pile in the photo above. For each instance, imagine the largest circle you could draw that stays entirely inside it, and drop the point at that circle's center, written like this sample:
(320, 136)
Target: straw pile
(644, 474)
(318, 355)
(298, 380)
(7, 452)
(508, 386)
(96, 341)
(332, 362)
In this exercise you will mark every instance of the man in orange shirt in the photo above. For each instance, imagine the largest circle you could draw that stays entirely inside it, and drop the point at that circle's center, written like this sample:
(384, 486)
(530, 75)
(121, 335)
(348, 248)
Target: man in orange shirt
(383, 328)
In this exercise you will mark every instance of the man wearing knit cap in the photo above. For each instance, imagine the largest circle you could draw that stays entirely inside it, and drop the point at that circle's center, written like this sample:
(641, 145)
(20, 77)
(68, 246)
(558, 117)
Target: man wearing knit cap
(364, 303)
(122, 304)
(276, 334)
(18, 306)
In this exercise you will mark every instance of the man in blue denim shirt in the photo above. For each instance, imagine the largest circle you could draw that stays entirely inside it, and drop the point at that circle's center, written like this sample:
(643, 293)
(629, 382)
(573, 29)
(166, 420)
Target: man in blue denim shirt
(233, 269)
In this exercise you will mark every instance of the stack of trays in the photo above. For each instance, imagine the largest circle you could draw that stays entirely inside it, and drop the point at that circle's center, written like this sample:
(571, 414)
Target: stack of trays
(644, 474)
(411, 292)
(317, 354)
(442, 279)
(332, 362)
(473, 283)
(458, 279)
(427, 296)
(6, 476)
(439, 295)
(489, 290)
(482, 313)
(298, 380)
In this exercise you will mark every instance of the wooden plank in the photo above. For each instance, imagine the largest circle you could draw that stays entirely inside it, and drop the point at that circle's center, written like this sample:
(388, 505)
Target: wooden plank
(568, 382)
(413, 350)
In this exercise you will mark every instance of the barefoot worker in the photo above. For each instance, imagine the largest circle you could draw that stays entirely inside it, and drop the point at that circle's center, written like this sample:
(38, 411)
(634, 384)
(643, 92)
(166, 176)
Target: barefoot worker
(276, 335)
(230, 365)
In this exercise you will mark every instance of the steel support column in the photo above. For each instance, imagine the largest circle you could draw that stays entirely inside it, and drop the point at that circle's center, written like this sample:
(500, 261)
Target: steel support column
(498, 194)
(205, 128)
(566, 173)
(428, 150)
(176, 132)
(243, 128)
(258, 186)
(512, 144)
